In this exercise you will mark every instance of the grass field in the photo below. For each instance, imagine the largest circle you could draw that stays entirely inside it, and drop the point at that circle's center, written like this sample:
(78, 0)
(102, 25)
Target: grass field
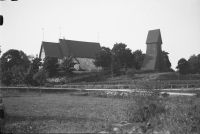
(62, 113)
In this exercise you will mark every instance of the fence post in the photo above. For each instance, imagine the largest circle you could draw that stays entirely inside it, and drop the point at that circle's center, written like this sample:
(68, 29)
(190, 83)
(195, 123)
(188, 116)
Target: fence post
(171, 86)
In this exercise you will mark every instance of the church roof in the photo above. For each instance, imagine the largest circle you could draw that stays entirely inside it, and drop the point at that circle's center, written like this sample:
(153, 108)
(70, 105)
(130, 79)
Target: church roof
(67, 48)
(51, 49)
(79, 48)
(154, 36)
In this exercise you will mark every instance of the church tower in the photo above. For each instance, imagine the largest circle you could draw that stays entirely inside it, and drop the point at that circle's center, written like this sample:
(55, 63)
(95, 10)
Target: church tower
(154, 59)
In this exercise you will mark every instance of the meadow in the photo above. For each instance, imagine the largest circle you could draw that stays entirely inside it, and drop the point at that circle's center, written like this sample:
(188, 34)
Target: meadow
(79, 112)
(64, 113)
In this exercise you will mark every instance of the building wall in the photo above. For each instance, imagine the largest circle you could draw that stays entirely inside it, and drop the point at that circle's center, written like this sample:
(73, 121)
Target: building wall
(42, 53)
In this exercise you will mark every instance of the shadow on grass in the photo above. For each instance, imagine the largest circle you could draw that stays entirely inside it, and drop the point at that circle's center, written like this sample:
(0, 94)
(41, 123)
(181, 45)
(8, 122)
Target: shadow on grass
(17, 118)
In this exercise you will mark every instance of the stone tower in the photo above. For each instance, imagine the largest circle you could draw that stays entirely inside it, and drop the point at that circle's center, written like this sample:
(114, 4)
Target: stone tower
(154, 59)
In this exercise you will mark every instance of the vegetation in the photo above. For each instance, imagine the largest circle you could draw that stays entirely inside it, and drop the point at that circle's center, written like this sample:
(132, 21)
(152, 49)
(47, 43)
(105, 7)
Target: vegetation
(138, 59)
(103, 58)
(166, 59)
(124, 55)
(51, 65)
(183, 66)
(14, 64)
(67, 65)
(80, 113)
(192, 65)
(41, 76)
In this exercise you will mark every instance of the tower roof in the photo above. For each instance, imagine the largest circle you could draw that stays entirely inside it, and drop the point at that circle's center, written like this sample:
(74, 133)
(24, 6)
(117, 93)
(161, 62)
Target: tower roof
(154, 36)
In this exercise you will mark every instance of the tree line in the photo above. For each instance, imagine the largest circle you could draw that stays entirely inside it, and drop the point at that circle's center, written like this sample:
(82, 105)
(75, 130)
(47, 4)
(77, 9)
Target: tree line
(18, 68)
(122, 57)
(190, 66)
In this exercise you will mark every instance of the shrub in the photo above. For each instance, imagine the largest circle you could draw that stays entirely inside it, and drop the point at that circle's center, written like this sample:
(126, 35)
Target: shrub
(41, 76)
(146, 105)
(130, 73)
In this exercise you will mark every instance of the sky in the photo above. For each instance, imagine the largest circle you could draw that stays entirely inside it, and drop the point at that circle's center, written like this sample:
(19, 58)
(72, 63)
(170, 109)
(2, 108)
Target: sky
(29, 22)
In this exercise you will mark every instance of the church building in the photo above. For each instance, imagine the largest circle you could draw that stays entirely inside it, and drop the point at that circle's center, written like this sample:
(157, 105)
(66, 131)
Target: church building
(82, 52)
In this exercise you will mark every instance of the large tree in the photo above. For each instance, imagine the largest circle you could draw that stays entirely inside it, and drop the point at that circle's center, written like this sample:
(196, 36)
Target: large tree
(138, 58)
(194, 64)
(166, 59)
(14, 64)
(13, 58)
(183, 66)
(103, 58)
(124, 55)
(51, 65)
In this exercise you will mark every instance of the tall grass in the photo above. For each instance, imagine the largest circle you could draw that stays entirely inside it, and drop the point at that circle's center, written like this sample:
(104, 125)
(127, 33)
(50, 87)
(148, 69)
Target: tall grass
(179, 115)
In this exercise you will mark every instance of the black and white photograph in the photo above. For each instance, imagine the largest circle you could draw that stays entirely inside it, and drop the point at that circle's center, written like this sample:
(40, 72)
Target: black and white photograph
(100, 66)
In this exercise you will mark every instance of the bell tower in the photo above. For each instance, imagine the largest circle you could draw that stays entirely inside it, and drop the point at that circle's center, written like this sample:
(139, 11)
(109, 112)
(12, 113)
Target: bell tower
(154, 59)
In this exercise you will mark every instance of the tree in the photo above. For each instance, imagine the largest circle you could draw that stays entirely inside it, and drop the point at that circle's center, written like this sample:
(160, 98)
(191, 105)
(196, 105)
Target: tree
(6, 77)
(14, 63)
(103, 58)
(115, 65)
(183, 66)
(194, 63)
(18, 75)
(35, 65)
(198, 57)
(166, 59)
(138, 59)
(41, 76)
(13, 58)
(33, 69)
(51, 65)
(67, 65)
(124, 55)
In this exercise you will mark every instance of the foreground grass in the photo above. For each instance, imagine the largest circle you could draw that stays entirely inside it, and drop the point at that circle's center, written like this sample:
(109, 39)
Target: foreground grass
(62, 113)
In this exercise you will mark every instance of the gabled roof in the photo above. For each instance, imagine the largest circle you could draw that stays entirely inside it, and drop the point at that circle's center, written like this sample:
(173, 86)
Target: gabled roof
(67, 48)
(51, 49)
(154, 36)
(79, 49)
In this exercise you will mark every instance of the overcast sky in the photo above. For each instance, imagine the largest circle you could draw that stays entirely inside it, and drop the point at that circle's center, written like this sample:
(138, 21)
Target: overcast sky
(106, 21)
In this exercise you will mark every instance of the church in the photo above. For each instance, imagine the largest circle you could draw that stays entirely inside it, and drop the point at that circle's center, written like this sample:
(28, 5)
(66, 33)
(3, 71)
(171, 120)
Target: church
(83, 53)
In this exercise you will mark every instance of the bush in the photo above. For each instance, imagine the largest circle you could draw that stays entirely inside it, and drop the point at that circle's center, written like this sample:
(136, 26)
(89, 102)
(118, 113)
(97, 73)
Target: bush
(41, 76)
(146, 106)
(130, 73)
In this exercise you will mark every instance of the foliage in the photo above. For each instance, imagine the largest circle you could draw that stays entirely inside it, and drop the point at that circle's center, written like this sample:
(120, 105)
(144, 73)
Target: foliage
(147, 105)
(51, 65)
(183, 66)
(103, 58)
(115, 65)
(14, 64)
(41, 76)
(13, 58)
(35, 65)
(194, 64)
(18, 75)
(6, 77)
(138, 59)
(33, 69)
(124, 55)
(28, 79)
(166, 59)
(67, 65)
